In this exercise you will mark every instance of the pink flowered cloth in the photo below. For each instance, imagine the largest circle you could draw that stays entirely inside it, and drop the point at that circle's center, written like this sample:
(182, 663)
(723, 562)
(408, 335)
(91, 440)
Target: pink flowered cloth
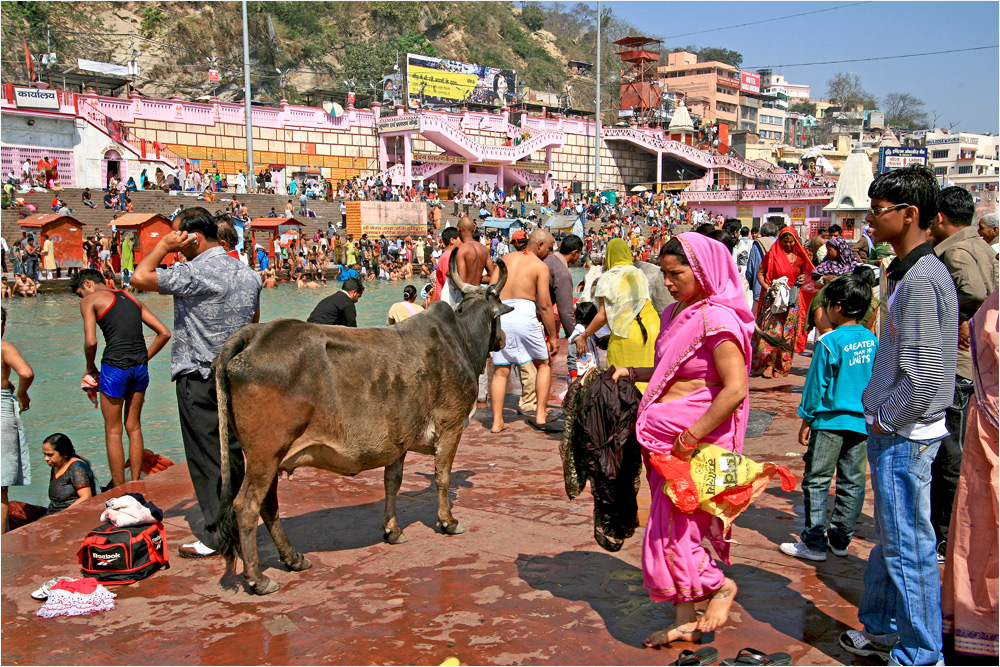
(77, 597)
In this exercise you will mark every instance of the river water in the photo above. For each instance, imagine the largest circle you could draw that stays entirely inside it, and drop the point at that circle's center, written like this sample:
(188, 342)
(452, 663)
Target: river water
(48, 331)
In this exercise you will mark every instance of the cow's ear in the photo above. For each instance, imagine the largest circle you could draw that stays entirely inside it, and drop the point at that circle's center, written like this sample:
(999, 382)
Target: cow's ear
(502, 309)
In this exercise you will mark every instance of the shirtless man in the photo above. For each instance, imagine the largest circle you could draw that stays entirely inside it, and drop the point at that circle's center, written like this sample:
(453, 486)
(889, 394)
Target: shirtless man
(307, 284)
(472, 256)
(527, 291)
(270, 280)
(25, 286)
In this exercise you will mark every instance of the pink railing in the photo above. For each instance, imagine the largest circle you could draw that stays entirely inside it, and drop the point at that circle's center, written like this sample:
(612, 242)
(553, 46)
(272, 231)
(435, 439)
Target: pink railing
(757, 194)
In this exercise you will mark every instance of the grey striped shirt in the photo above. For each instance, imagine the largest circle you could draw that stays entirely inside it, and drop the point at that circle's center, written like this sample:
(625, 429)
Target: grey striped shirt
(913, 378)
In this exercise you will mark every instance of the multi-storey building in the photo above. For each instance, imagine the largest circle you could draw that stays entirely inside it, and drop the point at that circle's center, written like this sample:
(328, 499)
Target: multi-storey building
(969, 160)
(712, 86)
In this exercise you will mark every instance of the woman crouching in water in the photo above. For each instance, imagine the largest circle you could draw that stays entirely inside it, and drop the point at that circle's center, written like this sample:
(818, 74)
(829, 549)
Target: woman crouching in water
(697, 393)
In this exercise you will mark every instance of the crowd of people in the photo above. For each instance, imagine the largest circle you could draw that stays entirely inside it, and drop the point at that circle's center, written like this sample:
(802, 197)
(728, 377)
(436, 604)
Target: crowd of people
(907, 313)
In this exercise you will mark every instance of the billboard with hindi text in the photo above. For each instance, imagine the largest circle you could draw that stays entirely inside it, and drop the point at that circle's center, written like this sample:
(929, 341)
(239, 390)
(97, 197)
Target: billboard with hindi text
(439, 82)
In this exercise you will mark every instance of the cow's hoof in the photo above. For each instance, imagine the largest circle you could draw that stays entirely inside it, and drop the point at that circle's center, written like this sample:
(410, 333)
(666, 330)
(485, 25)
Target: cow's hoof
(299, 563)
(399, 539)
(264, 586)
(454, 529)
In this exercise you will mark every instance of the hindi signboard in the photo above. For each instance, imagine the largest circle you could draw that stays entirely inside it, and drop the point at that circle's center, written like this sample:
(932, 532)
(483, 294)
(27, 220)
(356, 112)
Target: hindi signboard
(35, 98)
(897, 157)
(397, 124)
(438, 158)
(531, 166)
(436, 81)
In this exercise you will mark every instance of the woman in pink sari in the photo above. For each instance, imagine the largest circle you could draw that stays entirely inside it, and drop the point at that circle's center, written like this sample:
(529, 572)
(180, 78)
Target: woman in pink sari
(697, 393)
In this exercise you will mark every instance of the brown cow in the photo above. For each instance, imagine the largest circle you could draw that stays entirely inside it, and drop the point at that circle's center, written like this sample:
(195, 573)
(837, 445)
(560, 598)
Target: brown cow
(299, 394)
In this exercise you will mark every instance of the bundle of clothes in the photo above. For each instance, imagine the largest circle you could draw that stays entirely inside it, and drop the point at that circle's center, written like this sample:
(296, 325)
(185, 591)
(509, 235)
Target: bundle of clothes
(599, 444)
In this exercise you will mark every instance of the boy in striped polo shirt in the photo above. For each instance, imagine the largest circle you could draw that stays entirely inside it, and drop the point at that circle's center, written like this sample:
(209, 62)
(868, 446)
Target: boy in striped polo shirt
(913, 380)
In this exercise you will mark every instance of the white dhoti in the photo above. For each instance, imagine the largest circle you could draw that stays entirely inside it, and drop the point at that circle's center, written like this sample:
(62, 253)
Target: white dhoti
(524, 333)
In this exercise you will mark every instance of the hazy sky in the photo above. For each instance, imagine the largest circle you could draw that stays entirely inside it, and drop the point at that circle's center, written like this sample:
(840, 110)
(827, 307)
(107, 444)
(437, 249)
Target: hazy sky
(962, 87)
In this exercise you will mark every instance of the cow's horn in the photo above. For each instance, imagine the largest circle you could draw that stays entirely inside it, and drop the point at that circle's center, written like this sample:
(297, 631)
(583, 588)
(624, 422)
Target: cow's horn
(501, 280)
(462, 286)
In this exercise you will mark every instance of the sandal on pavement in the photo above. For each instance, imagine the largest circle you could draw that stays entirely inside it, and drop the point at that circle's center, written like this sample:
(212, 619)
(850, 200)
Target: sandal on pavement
(43, 592)
(197, 550)
(751, 656)
(706, 655)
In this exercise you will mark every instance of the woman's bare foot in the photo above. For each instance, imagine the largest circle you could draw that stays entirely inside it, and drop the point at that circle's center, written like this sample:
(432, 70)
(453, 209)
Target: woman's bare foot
(687, 632)
(498, 428)
(719, 604)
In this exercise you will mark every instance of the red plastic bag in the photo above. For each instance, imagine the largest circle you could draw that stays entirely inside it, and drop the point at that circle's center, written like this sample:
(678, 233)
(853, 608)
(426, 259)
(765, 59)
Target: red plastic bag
(684, 493)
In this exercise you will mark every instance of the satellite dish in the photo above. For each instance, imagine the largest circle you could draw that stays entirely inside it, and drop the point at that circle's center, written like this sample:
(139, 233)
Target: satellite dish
(333, 109)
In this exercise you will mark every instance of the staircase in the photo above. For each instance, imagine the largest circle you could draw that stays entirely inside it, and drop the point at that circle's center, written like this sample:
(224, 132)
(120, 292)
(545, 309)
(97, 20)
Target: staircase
(118, 132)
(452, 139)
(655, 144)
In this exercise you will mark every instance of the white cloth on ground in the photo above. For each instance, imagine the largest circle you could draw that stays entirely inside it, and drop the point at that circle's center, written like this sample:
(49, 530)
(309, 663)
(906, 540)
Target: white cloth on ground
(524, 333)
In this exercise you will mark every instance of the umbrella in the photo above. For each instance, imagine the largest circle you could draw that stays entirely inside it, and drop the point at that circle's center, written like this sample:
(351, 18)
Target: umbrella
(639, 188)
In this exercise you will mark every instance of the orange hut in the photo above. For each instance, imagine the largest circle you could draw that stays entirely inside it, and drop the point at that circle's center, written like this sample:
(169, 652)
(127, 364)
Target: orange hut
(66, 233)
(148, 229)
(269, 229)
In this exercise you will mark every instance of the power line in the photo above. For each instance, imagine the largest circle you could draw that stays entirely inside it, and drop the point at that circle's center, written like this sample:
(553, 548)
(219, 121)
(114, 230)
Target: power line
(777, 18)
(859, 60)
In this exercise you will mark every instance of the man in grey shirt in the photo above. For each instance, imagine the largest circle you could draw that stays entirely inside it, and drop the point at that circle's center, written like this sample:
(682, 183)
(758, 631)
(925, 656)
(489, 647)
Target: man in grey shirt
(214, 295)
(561, 288)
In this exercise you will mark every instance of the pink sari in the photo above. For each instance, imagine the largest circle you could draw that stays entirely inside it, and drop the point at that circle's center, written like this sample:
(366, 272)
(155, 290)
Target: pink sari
(675, 564)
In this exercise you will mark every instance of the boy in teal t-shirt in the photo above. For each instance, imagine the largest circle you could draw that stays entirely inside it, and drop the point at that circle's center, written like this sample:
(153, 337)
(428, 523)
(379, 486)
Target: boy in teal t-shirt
(833, 422)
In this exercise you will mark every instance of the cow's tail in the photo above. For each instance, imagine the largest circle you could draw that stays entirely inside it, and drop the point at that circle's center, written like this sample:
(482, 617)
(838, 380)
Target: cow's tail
(227, 528)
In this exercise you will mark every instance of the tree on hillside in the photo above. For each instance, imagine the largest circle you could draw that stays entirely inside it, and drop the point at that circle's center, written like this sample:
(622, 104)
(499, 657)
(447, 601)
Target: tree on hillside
(532, 16)
(904, 111)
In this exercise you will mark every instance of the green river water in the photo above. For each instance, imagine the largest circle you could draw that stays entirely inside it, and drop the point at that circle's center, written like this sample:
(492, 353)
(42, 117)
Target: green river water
(48, 331)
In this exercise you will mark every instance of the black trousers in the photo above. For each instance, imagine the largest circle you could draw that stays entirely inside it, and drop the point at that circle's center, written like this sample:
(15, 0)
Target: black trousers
(198, 407)
(948, 464)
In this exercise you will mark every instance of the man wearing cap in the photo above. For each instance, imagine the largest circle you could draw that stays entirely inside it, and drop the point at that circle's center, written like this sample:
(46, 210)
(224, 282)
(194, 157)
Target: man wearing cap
(405, 308)
(338, 308)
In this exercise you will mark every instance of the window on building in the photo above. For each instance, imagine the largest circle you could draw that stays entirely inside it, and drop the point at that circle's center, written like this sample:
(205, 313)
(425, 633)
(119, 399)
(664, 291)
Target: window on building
(775, 209)
(940, 171)
(725, 178)
(940, 155)
(965, 169)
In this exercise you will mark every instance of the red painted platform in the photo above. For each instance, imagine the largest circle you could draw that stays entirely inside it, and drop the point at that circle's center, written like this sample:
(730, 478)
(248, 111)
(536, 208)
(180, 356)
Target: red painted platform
(526, 584)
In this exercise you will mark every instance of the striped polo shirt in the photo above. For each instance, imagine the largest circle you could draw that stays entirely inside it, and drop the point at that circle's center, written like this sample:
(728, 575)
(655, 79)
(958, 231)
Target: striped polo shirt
(913, 377)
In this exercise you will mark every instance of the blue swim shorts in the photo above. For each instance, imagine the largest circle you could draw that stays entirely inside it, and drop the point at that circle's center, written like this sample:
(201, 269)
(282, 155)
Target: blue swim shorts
(117, 382)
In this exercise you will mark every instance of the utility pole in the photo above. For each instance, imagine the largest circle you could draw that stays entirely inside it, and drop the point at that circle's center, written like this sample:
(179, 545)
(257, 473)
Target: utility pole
(131, 51)
(246, 94)
(597, 116)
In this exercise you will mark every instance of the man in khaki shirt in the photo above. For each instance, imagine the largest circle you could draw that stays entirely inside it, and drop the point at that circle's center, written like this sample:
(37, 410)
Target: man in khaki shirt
(973, 266)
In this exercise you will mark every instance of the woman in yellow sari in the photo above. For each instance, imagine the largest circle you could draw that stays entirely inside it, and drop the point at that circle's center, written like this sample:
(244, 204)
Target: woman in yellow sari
(624, 305)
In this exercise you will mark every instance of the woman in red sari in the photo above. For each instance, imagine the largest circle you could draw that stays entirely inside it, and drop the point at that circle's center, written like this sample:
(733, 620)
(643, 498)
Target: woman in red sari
(789, 260)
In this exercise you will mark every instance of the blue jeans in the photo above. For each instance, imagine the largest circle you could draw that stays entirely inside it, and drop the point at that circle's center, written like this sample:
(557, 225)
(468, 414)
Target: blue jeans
(842, 452)
(902, 583)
